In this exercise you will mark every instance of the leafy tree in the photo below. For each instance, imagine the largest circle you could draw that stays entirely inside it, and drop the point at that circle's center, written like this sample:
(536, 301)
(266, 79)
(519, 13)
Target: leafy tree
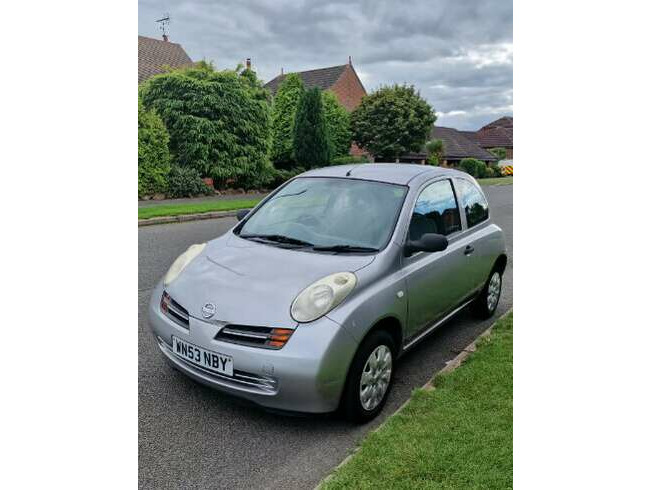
(310, 142)
(500, 153)
(392, 121)
(218, 121)
(153, 153)
(283, 114)
(435, 149)
(337, 120)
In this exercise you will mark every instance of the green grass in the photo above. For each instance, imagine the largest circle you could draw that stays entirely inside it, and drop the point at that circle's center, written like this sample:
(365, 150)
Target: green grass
(193, 208)
(496, 181)
(458, 435)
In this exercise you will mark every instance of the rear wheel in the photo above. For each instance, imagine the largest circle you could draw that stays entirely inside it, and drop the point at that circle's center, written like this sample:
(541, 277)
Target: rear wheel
(486, 303)
(370, 378)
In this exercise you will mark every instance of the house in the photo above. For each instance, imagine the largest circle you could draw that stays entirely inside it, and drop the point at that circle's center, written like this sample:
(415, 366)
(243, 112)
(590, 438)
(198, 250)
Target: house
(497, 134)
(456, 146)
(155, 54)
(341, 80)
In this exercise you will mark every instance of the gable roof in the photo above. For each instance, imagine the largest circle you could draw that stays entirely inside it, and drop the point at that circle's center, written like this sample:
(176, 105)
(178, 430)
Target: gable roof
(494, 137)
(154, 54)
(458, 145)
(322, 78)
(502, 122)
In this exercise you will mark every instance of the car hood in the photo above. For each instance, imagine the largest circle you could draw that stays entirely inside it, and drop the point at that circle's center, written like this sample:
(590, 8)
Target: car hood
(252, 283)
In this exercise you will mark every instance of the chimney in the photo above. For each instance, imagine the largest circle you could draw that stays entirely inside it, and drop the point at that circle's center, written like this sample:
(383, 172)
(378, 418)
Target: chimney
(165, 38)
(248, 63)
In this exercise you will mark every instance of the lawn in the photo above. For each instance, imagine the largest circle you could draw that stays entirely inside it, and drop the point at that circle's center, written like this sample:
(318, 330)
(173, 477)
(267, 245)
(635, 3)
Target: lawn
(496, 181)
(458, 435)
(192, 208)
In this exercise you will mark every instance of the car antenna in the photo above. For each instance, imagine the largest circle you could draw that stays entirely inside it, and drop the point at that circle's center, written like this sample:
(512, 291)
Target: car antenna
(348, 173)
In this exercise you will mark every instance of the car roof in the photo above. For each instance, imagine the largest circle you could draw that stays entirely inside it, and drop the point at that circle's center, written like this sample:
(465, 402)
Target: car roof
(393, 173)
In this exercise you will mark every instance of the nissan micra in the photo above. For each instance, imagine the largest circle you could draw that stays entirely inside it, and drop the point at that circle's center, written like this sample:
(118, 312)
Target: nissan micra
(306, 304)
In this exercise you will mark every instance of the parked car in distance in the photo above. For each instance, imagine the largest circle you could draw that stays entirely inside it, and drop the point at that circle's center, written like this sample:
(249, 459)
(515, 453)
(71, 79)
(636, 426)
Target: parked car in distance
(306, 304)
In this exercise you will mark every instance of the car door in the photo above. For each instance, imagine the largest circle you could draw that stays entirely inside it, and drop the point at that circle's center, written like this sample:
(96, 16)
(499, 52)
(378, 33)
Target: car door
(436, 282)
(475, 213)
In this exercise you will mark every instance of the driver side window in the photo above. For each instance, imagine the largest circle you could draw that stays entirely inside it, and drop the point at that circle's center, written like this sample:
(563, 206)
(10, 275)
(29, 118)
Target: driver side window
(436, 211)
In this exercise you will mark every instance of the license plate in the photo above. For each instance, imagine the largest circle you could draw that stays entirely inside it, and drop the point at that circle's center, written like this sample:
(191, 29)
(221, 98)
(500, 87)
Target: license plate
(207, 359)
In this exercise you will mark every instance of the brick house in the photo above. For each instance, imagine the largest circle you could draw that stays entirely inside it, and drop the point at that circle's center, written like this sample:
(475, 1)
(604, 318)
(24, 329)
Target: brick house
(497, 134)
(456, 146)
(155, 54)
(341, 80)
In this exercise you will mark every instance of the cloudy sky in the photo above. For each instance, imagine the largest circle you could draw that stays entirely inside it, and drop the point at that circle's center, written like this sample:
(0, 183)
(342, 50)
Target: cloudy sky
(457, 52)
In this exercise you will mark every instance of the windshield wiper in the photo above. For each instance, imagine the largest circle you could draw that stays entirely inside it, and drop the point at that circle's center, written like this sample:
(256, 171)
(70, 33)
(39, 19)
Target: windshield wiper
(279, 239)
(344, 248)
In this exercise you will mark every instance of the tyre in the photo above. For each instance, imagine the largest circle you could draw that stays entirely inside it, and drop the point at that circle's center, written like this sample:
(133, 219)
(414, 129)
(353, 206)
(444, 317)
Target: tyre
(486, 303)
(370, 378)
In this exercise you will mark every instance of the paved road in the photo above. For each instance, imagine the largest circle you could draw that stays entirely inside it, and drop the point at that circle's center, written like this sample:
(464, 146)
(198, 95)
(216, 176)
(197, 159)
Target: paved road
(193, 437)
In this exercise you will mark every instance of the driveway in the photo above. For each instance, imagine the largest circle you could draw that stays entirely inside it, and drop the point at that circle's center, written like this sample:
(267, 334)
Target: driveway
(193, 437)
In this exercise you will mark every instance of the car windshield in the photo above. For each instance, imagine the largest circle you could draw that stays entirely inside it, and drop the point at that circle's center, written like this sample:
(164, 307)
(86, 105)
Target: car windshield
(339, 215)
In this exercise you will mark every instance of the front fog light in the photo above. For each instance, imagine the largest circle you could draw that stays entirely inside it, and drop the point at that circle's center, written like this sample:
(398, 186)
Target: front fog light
(322, 296)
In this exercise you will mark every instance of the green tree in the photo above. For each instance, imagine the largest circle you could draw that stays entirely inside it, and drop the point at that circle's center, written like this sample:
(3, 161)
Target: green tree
(153, 153)
(310, 141)
(435, 149)
(337, 120)
(392, 121)
(283, 114)
(218, 121)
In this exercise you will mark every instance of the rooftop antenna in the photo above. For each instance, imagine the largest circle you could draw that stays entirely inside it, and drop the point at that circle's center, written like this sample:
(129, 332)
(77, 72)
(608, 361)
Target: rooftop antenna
(164, 22)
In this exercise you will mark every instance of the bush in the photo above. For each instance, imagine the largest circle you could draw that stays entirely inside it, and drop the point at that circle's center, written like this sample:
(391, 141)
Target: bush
(496, 170)
(391, 122)
(489, 173)
(280, 176)
(186, 182)
(469, 165)
(481, 169)
(337, 120)
(432, 159)
(349, 159)
(283, 114)
(153, 153)
(311, 146)
(218, 121)
(500, 153)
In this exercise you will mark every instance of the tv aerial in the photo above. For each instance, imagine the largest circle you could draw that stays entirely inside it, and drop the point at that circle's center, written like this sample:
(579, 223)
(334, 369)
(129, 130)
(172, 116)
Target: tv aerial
(164, 22)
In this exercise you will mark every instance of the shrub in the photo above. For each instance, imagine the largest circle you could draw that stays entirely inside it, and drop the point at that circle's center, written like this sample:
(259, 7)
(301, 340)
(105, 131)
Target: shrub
(496, 170)
(337, 120)
(280, 176)
(392, 121)
(153, 153)
(218, 121)
(432, 159)
(283, 114)
(311, 147)
(349, 159)
(470, 165)
(500, 153)
(489, 173)
(186, 182)
(481, 169)
(436, 149)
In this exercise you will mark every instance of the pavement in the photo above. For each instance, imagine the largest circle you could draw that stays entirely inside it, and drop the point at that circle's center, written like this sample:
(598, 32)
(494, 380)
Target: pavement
(193, 437)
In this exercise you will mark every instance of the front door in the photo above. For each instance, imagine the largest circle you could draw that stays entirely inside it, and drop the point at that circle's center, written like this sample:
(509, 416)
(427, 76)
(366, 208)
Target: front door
(435, 281)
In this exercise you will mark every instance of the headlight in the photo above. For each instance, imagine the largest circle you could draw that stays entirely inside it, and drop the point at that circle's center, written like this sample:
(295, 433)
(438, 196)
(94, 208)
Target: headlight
(322, 296)
(182, 261)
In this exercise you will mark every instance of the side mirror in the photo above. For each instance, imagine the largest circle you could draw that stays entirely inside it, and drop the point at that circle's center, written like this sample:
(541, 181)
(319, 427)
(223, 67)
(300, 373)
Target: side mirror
(429, 242)
(241, 214)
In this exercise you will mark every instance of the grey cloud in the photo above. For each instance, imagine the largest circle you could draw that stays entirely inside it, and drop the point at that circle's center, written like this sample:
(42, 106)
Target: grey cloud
(452, 51)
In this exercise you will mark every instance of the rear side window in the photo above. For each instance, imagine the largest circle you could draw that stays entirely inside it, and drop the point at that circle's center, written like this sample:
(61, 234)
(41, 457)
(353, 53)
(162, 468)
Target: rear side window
(473, 202)
(436, 211)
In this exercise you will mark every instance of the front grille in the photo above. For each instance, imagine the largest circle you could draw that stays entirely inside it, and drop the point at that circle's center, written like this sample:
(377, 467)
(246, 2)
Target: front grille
(174, 311)
(253, 336)
(244, 379)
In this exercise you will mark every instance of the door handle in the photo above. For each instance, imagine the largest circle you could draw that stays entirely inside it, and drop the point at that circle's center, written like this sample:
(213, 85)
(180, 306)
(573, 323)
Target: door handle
(468, 250)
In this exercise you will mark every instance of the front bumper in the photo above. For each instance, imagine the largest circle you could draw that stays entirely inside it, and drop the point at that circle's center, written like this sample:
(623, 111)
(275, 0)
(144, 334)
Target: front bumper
(306, 375)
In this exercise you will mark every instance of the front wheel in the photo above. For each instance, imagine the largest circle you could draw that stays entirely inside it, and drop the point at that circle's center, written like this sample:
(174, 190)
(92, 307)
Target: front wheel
(370, 378)
(486, 303)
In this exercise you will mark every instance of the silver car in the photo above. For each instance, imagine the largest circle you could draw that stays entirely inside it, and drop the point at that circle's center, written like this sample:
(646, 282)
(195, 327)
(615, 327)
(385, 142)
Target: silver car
(308, 302)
